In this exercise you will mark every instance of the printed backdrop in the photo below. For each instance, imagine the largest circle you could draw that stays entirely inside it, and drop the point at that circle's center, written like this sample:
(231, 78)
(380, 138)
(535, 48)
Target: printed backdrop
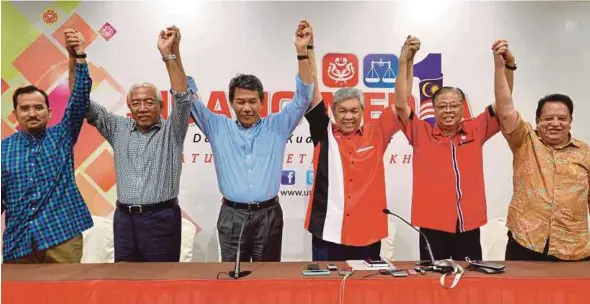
(357, 44)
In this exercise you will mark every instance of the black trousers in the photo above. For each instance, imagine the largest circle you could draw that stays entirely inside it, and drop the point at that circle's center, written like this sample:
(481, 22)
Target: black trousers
(152, 236)
(517, 252)
(456, 246)
(262, 237)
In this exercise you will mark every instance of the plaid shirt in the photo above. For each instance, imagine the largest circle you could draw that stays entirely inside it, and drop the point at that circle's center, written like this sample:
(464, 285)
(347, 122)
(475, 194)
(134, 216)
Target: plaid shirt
(39, 191)
(147, 165)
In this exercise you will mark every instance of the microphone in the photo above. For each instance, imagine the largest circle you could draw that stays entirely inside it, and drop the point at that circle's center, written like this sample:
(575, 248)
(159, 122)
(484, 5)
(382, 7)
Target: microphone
(236, 273)
(438, 266)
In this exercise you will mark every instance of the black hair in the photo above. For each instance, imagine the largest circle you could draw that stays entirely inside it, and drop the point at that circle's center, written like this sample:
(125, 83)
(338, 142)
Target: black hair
(28, 90)
(566, 100)
(246, 82)
(448, 89)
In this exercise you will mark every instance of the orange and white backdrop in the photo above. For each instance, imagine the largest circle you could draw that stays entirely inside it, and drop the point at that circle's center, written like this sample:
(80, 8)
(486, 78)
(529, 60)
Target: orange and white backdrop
(357, 45)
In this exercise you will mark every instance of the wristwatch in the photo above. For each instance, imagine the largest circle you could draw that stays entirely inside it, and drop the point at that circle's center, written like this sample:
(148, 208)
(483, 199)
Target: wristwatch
(83, 55)
(169, 57)
(510, 67)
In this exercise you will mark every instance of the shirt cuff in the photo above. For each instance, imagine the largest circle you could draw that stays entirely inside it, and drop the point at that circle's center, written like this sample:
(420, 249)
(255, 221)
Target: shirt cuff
(192, 86)
(305, 90)
(182, 97)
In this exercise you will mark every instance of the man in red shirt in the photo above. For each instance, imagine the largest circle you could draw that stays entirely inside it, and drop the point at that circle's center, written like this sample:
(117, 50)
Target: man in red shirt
(448, 198)
(345, 212)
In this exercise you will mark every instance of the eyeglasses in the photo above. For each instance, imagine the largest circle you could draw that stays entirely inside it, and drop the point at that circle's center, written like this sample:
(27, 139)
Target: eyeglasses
(149, 104)
(452, 107)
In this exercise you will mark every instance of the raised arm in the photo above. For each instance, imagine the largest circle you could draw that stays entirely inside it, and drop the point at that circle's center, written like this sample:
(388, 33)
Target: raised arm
(289, 117)
(80, 89)
(404, 78)
(317, 94)
(178, 82)
(504, 105)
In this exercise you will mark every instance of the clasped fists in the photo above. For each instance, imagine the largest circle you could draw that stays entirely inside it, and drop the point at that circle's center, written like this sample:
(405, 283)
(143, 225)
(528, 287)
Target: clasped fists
(502, 54)
(74, 41)
(303, 37)
(410, 48)
(168, 39)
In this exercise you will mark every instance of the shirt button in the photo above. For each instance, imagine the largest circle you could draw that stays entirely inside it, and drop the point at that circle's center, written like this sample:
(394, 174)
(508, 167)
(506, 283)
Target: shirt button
(248, 156)
(249, 170)
(351, 180)
(250, 186)
(348, 214)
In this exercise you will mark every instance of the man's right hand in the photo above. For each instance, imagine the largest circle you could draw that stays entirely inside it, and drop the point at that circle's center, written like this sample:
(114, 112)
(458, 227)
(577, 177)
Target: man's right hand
(410, 48)
(166, 40)
(74, 41)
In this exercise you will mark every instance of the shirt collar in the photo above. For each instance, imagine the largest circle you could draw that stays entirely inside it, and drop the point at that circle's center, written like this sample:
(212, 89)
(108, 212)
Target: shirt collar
(571, 142)
(158, 125)
(436, 131)
(253, 125)
(358, 131)
(36, 136)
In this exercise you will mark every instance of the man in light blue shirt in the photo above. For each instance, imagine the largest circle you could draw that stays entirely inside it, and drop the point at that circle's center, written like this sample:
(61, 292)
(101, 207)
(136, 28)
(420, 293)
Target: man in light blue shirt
(248, 154)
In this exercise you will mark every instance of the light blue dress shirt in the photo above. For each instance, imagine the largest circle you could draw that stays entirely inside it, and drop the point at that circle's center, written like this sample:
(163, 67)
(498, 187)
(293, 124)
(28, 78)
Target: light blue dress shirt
(249, 161)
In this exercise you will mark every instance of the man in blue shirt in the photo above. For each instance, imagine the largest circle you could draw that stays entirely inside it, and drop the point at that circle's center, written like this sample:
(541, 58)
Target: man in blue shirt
(45, 212)
(248, 159)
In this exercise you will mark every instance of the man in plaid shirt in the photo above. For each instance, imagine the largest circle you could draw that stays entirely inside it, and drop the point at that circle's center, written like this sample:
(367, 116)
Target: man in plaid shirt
(45, 212)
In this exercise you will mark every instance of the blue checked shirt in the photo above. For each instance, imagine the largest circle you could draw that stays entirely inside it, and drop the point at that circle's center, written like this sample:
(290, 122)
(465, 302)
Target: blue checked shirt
(39, 191)
(249, 161)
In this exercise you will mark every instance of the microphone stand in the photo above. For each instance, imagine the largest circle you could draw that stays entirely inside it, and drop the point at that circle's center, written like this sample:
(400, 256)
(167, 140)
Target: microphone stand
(432, 265)
(236, 273)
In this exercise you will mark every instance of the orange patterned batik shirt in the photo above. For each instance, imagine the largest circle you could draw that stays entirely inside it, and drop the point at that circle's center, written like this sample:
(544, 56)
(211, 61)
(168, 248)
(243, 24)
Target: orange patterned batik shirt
(551, 198)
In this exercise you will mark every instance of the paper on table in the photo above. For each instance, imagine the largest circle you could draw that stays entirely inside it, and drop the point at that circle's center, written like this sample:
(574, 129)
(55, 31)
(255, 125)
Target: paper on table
(360, 265)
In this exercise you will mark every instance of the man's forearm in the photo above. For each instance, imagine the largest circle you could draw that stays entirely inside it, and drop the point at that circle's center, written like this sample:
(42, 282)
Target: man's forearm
(317, 94)
(509, 74)
(71, 73)
(177, 77)
(176, 51)
(304, 68)
(401, 86)
(504, 104)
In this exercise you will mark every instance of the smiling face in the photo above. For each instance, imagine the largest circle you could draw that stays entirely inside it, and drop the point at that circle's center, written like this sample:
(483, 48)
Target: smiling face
(246, 105)
(145, 106)
(348, 115)
(448, 110)
(554, 123)
(32, 112)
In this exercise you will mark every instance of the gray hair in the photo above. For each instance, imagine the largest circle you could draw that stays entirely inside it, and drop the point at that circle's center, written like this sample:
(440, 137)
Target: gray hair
(145, 85)
(344, 94)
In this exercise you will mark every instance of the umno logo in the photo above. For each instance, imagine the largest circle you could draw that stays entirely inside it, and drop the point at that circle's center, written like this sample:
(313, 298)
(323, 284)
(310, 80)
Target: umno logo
(50, 16)
(340, 70)
(107, 31)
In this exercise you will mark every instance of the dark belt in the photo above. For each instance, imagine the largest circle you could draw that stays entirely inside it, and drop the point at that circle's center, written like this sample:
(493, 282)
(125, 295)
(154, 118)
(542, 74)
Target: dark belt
(148, 207)
(252, 206)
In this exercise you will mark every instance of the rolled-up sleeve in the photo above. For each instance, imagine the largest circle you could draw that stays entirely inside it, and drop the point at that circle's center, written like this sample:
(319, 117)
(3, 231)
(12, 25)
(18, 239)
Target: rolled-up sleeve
(288, 118)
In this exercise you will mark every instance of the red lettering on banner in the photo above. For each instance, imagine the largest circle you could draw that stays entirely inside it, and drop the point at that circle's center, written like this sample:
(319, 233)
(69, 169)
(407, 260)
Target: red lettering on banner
(301, 157)
(392, 159)
(407, 158)
(218, 103)
(278, 98)
(208, 158)
(219, 98)
(289, 158)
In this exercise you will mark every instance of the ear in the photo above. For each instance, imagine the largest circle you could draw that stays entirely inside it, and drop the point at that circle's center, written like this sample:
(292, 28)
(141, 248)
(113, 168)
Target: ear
(49, 113)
